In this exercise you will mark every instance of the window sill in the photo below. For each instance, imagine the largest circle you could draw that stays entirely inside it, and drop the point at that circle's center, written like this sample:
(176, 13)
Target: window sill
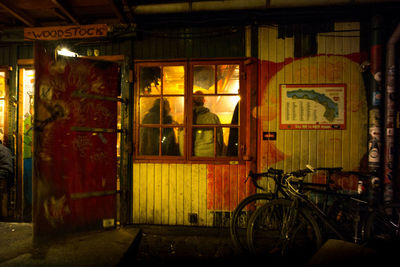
(230, 161)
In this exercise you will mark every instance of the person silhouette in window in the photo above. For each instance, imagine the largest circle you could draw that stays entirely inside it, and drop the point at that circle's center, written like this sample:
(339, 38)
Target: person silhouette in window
(203, 138)
(233, 141)
(149, 136)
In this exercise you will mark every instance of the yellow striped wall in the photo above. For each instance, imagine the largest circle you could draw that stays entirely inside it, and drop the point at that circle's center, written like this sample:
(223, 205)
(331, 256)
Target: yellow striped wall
(168, 194)
(335, 62)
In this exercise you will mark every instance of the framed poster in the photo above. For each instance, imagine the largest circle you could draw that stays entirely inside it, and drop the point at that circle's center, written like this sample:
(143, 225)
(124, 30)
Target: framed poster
(312, 106)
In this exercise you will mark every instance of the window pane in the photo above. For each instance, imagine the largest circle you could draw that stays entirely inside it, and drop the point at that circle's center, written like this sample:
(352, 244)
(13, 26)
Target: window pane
(149, 141)
(2, 84)
(149, 110)
(176, 112)
(169, 144)
(181, 140)
(174, 80)
(204, 79)
(231, 140)
(228, 79)
(222, 106)
(203, 141)
(2, 120)
(150, 80)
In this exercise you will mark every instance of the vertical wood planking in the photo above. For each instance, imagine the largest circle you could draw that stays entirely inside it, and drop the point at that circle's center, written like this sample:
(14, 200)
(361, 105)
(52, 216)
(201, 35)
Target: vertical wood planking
(335, 62)
(136, 193)
(346, 142)
(157, 194)
(187, 193)
(242, 192)
(195, 189)
(233, 178)
(218, 187)
(210, 193)
(143, 193)
(150, 192)
(203, 214)
(172, 194)
(179, 194)
(168, 194)
(321, 78)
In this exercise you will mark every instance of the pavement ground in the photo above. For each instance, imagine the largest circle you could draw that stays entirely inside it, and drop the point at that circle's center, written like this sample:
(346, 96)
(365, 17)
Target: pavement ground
(149, 245)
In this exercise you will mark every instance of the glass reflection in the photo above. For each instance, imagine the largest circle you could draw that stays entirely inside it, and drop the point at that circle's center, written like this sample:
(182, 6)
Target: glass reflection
(173, 80)
(149, 141)
(204, 79)
(150, 81)
(228, 79)
(149, 110)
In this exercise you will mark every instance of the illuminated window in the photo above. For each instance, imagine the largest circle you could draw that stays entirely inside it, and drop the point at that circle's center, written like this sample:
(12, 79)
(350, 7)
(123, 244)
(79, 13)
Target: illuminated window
(3, 106)
(188, 110)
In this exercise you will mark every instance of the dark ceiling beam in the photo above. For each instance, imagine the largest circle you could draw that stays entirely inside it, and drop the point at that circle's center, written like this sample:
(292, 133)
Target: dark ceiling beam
(117, 11)
(59, 14)
(128, 11)
(64, 10)
(18, 14)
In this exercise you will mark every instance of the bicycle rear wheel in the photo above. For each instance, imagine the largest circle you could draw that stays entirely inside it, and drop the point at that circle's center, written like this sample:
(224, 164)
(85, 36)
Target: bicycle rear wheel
(266, 234)
(384, 224)
(240, 218)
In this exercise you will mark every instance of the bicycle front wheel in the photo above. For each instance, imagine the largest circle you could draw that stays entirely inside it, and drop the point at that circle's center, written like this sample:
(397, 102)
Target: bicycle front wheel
(271, 231)
(384, 224)
(240, 218)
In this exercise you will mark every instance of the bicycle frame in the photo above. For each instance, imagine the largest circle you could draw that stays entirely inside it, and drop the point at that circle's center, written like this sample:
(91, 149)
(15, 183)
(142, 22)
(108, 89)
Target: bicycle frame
(317, 211)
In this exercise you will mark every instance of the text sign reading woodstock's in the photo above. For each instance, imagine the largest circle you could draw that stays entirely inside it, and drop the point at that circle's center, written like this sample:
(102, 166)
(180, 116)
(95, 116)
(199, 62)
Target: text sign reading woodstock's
(66, 32)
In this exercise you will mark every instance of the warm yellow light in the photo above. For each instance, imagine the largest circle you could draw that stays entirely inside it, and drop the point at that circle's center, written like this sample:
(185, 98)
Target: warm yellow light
(65, 52)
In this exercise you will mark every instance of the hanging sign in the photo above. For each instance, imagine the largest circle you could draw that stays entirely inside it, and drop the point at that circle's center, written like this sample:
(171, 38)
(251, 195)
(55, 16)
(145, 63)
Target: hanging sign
(312, 106)
(66, 32)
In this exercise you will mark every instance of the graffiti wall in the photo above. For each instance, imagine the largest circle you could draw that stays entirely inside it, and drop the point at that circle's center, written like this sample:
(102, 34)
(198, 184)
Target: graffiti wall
(75, 165)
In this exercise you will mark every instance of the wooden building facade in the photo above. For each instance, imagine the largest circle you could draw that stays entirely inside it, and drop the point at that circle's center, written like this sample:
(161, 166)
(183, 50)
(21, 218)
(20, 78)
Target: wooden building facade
(303, 100)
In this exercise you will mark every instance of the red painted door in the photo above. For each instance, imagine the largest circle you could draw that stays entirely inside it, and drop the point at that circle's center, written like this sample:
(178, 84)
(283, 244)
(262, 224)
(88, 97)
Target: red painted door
(75, 157)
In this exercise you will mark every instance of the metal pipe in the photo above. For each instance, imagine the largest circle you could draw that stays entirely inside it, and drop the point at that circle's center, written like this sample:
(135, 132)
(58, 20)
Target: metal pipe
(375, 106)
(388, 163)
(220, 5)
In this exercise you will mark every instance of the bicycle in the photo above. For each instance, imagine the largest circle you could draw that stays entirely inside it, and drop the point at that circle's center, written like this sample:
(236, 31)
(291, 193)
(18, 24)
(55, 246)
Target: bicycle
(244, 210)
(289, 226)
(383, 224)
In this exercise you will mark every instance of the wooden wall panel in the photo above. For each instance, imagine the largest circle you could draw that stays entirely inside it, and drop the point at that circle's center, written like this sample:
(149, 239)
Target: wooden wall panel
(336, 61)
(169, 194)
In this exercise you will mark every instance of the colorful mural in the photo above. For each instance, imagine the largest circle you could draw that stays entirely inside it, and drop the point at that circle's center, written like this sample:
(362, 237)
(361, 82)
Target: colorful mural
(337, 62)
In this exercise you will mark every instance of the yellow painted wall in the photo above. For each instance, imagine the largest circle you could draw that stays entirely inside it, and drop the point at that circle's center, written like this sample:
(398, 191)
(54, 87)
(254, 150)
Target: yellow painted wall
(334, 63)
(167, 193)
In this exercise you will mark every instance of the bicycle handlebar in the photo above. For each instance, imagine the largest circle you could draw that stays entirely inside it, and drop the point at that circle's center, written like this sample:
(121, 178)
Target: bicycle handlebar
(277, 172)
(301, 173)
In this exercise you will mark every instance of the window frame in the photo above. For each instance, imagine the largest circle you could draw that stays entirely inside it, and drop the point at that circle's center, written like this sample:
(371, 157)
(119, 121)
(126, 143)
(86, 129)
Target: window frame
(5, 98)
(188, 119)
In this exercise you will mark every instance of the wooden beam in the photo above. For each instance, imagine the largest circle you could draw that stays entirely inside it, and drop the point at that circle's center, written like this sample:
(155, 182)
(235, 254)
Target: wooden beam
(64, 10)
(117, 11)
(128, 12)
(28, 21)
(58, 14)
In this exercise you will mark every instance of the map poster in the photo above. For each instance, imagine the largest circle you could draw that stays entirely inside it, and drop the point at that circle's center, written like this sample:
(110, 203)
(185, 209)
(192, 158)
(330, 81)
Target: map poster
(312, 106)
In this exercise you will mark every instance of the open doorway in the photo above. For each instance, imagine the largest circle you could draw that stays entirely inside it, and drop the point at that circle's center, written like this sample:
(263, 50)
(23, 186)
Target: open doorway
(26, 83)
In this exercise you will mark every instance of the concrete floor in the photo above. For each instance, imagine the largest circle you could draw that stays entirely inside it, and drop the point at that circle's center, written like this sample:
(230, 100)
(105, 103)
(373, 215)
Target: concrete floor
(141, 245)
(97, 248)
